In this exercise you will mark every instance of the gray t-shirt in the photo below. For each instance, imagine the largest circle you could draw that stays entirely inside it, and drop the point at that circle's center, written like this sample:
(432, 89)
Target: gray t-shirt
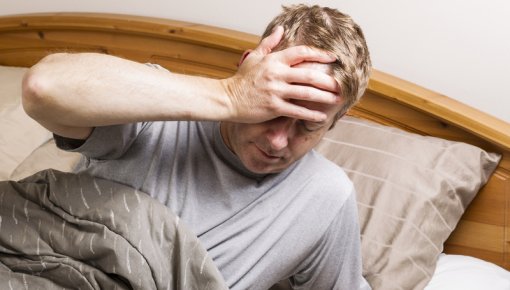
(300, 224)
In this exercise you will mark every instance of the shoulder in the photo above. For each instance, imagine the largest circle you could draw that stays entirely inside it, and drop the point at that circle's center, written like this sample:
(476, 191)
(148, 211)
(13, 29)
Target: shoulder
(323, 188)
(324, 165)
(332, 179)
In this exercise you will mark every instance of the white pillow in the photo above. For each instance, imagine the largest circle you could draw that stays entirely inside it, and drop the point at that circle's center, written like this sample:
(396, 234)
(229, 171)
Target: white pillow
(467, 273)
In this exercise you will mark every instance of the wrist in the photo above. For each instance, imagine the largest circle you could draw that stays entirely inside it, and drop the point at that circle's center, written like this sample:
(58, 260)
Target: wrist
(231, 90)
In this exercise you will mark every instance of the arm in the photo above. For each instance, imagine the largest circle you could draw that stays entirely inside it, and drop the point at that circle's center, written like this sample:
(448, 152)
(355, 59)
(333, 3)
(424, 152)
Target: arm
(71, 93)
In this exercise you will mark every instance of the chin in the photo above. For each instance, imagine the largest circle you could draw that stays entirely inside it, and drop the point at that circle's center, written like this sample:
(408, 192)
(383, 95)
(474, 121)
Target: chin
(266, 168)
(266, 171)
(255, 162)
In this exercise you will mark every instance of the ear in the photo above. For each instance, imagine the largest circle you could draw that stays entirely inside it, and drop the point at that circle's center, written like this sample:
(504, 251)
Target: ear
(244, 56)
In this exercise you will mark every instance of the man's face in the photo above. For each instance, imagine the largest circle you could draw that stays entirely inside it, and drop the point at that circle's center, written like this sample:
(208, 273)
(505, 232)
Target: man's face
(272, 146)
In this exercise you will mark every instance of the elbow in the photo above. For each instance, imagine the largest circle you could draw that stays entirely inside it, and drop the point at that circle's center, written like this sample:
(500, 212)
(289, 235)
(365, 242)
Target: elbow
(35, 85)
(32, 95)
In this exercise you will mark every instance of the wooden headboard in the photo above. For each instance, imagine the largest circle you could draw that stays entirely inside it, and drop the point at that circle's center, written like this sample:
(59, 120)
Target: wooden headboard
(484, 230)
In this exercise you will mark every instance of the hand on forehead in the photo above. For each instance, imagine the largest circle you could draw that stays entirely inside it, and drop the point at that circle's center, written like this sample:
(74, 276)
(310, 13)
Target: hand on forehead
(329, 109)
(271, 79)
(321, 69)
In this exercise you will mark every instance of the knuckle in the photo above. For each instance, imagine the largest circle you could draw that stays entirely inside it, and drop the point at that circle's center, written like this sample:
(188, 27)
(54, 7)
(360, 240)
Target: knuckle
(269, 75)
(268, 58)
(273, 106)
(306, 93)
(309, 77)
(275, 90)
(303, 50)
(274, 97)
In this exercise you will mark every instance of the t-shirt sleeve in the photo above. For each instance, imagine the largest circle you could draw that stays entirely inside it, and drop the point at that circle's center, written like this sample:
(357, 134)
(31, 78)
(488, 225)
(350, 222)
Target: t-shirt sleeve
(108, 142)
(335, 263)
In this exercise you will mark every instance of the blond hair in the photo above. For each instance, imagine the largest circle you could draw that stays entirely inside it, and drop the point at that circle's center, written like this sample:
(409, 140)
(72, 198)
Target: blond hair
(332, 31)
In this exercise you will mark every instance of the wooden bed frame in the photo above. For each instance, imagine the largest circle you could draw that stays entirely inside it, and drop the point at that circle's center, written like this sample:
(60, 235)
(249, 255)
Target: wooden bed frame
(203, 50)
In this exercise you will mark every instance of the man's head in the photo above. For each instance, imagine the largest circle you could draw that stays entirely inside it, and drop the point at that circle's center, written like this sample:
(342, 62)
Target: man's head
(332, 31)
(272, 146)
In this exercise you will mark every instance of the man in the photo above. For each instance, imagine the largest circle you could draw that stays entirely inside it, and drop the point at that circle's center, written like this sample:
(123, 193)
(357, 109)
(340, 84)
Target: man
(233, 158)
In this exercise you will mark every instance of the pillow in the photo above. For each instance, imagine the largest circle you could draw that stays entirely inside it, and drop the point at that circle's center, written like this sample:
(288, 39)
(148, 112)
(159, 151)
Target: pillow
(468, 273)
(43, 157)
(10, 82)
(20, 134)
(411, 192)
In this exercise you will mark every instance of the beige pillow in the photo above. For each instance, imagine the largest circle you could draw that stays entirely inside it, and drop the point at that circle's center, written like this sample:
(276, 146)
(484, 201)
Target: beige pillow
(46, 156)
(10, 83)
(411, 192)
(19, 134)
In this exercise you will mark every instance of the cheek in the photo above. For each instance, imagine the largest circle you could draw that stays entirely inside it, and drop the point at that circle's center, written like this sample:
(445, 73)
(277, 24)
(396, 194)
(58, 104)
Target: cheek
(314, 137)
(308, 139)
(246, 133)
(305, 143)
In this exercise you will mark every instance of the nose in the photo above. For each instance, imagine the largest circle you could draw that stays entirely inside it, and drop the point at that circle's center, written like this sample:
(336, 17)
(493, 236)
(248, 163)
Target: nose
(279, 132)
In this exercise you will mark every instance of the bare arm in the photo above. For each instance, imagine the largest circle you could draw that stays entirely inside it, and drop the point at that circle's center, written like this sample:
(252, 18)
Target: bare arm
(71, 93)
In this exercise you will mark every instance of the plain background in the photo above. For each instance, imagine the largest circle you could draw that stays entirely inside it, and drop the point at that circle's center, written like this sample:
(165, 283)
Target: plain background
(459, 48)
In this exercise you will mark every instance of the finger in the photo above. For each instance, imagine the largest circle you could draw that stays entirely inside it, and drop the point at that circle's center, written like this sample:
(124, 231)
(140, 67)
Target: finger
(312, 77)
(267, 44)
(302, 113)
(311, 94)
(298, 54)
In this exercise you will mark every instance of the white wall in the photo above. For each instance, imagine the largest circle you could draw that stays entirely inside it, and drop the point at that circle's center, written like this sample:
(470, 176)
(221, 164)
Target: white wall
(460, 48)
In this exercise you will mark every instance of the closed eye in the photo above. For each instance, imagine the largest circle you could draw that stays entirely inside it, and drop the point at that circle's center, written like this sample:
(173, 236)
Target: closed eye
(311, 126)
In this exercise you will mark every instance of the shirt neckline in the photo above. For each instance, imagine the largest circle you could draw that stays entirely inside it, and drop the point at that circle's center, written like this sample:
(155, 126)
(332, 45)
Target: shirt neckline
(230, 158)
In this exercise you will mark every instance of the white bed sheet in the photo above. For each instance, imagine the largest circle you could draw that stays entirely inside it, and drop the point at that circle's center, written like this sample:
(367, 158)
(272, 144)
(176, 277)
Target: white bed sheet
(457, 272)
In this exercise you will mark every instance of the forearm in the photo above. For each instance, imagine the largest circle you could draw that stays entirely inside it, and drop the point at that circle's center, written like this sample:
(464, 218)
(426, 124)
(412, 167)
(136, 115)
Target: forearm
(88, 90)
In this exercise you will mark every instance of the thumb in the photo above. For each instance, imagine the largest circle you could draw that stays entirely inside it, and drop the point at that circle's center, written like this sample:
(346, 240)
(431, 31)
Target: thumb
(267, 44)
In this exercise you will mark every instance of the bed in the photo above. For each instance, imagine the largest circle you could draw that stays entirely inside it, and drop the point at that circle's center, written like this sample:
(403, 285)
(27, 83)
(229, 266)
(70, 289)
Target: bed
(480, 231)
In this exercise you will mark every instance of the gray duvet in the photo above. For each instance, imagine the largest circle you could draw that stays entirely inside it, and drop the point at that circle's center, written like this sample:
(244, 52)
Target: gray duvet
(68, 231)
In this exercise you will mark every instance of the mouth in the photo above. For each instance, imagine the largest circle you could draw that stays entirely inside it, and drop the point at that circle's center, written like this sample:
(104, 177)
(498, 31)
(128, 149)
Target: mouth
(267, 155)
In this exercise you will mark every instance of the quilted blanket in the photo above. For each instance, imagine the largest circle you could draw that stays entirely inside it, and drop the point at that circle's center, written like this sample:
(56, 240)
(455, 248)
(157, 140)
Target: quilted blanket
(70, 231)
